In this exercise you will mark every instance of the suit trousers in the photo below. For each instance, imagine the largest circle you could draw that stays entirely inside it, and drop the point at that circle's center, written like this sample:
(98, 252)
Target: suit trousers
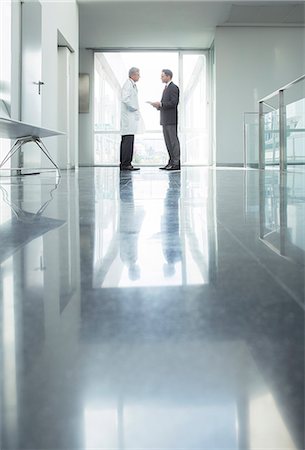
(126, 150)
(172, 144)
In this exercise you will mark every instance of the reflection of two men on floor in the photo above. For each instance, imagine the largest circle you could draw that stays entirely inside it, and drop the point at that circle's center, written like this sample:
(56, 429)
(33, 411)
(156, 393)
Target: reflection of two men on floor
(131, 219)
(170, 225)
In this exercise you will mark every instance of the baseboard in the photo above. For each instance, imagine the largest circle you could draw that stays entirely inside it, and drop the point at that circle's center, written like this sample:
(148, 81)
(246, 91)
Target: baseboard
(229, 165)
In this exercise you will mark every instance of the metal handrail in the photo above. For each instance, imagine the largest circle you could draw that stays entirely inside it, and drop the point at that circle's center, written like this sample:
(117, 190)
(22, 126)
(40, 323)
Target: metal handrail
(282, 124)
(269, 106)
(287, 86)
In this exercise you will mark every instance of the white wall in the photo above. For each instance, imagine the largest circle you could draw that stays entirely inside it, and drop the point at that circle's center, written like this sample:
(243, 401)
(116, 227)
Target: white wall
(62, 16)
(5, 52)
(251, 62)
(10, 13)
(5, 64)
(86, 140)
(16, 60)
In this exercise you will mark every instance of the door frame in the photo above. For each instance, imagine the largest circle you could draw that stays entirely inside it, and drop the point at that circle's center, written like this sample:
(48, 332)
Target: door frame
(181, 52)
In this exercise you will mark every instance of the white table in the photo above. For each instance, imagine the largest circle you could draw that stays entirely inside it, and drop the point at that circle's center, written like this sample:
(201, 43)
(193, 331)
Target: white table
(24, 133)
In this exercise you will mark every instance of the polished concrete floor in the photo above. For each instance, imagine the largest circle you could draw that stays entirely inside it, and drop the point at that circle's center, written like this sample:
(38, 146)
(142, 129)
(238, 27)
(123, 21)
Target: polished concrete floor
(152, 310)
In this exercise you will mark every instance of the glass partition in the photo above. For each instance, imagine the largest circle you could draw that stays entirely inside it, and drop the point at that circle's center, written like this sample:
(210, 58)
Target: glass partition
(270, 141)
(251, 123)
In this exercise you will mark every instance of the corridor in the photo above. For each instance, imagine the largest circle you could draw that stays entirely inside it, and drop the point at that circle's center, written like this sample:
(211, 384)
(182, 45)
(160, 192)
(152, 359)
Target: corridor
(152, 310)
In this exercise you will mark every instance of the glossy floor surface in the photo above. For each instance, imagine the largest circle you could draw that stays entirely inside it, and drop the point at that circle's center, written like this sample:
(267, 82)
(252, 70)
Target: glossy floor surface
(152, 310)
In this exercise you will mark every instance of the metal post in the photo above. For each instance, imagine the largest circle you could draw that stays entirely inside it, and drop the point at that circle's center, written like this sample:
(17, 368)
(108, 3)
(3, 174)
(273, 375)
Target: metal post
(262, 204)
(283, 212)
(245, 142)
(282, 130)
(261, 127)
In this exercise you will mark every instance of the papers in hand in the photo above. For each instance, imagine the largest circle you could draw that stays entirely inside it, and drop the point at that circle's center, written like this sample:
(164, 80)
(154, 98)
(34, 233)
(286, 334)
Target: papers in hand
(154, 104)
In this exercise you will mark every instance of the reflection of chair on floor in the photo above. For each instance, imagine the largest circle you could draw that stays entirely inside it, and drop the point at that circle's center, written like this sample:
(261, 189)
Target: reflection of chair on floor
(24, 226)
(21, 214)
(23, 133)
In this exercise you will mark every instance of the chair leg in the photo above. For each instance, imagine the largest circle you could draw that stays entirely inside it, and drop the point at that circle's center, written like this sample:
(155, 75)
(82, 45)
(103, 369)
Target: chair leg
(12, 151)
(46, 152)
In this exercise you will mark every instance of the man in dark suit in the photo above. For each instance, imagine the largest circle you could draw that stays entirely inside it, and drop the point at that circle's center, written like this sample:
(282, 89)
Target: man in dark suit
(169, 119)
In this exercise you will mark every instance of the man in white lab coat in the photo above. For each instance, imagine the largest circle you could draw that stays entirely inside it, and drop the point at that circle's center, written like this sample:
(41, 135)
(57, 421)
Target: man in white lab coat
(130, 118)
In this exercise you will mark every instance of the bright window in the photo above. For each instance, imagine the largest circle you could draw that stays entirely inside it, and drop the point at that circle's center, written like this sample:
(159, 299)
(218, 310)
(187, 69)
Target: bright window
(111, 71)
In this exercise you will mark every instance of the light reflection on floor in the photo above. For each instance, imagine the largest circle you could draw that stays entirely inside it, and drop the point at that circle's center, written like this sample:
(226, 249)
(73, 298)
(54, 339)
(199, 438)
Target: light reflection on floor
(157, 234)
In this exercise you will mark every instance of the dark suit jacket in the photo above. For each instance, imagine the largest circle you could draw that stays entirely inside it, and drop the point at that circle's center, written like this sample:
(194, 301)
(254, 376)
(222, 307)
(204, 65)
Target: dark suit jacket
(169, 100)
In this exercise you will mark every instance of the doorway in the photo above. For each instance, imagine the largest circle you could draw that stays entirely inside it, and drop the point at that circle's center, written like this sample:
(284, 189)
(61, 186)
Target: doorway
(65, 118)
(31, 76)
(190, 69)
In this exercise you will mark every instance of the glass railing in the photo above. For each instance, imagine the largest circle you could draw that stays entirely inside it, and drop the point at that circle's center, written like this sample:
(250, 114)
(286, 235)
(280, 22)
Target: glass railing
(295, 117)
(281, 123)
(295, 138)
(251, 138)
(271, 137)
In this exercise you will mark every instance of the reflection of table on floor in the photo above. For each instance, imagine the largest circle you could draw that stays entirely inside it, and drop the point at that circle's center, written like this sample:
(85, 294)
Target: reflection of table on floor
(24, 133)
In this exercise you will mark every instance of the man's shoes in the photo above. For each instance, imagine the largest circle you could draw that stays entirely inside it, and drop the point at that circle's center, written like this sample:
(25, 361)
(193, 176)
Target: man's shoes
(165, 167)
(131, 168)
(173, 167)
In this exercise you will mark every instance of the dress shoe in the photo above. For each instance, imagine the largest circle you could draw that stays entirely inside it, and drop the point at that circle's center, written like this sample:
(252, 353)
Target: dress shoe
(173, 167)
(129, 168)
(165, 167)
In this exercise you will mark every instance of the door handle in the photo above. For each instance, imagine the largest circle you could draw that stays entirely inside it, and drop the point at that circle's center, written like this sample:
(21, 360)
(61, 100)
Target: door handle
(39, 84)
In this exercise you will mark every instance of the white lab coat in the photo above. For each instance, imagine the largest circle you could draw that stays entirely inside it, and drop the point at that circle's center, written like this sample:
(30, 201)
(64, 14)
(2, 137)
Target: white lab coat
(131, 120)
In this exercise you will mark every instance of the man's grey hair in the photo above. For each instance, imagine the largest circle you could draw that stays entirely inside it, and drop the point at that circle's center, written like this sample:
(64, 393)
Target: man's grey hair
(133, 70)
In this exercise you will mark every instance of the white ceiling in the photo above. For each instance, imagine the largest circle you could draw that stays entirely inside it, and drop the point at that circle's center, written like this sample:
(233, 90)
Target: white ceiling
(175, 24)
